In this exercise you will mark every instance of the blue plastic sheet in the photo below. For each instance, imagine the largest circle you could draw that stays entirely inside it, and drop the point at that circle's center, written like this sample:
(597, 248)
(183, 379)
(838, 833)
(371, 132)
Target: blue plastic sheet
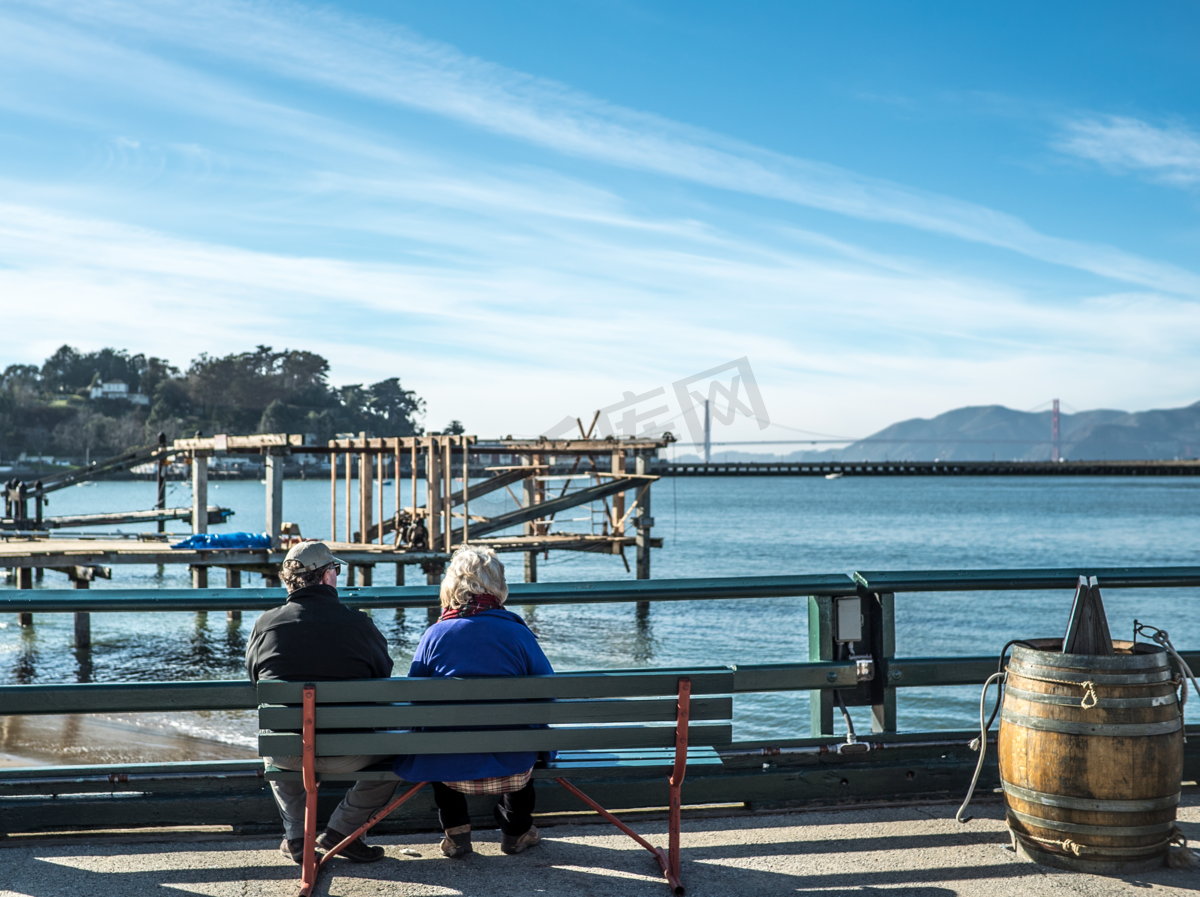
(213, 541)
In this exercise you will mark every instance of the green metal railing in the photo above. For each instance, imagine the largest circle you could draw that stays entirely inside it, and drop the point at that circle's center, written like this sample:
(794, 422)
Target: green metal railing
(872, 678)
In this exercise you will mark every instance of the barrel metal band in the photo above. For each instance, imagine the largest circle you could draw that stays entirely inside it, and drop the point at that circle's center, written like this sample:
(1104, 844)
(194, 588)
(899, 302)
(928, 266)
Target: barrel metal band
(1090, 804)
(1075, 828)
(1104, 703)
(1152, 660)
(1066, 676)
(1110, 730)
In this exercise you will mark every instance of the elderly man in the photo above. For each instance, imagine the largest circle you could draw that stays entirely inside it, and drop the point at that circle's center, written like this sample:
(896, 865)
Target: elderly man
(314, 637)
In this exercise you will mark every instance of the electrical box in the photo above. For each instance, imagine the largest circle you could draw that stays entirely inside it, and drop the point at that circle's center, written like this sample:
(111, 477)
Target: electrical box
(847, 619)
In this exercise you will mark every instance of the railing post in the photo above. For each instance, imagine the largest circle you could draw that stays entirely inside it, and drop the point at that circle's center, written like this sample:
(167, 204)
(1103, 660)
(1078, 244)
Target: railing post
(883, 648)
(820, 647)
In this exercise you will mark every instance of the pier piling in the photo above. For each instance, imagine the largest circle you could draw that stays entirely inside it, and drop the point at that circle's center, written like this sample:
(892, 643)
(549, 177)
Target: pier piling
(233, 580)
(83, 621)
(274, 477)
(25, 581)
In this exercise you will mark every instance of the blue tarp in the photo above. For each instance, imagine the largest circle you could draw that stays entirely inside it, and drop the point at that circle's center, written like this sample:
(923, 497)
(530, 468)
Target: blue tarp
(212, 541)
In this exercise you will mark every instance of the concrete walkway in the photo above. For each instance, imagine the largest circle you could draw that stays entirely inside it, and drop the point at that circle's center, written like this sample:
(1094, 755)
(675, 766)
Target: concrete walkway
(913, 850)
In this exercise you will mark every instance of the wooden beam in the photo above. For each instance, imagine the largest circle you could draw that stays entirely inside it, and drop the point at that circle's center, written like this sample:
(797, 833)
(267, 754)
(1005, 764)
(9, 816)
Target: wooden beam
(527, 513)
(225, 443)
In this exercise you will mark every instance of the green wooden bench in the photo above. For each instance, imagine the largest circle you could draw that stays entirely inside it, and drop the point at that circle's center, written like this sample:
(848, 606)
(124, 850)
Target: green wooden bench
(668, 721)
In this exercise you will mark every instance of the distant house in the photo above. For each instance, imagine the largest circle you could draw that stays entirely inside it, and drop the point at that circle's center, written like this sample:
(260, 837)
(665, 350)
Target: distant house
(118, 389)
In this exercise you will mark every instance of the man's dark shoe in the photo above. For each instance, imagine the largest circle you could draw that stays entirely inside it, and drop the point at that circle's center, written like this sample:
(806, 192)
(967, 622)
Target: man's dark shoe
(457, 843)
(293, 848)
(511, 844)
(357, 851)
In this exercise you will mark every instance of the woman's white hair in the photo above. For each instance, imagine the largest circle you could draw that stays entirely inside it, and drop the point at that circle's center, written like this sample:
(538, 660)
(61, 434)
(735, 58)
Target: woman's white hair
(473, 571)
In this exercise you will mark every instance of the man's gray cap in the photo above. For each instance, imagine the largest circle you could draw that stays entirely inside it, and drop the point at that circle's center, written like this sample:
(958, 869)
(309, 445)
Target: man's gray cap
(311, 555)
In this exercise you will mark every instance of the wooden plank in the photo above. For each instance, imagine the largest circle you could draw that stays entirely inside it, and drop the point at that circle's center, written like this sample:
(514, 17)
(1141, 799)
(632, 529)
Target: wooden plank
(551, 507)
(353, 716)
(568, 763)
(233, 443)
(1087, 627)
(271, 744)
(714, 680)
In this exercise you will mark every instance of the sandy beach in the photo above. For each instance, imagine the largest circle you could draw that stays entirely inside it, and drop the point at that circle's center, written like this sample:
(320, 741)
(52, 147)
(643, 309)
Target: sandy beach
(79, 739)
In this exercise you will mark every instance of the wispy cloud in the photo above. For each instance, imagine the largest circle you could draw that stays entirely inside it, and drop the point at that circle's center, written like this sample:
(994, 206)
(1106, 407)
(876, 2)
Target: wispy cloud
(393, 65)
(857, 324)
(218, 209)
(1170, 155)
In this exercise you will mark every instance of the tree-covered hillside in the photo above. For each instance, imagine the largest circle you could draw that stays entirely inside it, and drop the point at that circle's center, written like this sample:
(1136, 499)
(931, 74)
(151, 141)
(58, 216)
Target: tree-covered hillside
(49, 410)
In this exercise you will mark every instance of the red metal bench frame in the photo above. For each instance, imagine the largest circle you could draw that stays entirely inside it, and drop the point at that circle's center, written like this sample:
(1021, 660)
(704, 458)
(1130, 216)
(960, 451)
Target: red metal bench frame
(311, 864)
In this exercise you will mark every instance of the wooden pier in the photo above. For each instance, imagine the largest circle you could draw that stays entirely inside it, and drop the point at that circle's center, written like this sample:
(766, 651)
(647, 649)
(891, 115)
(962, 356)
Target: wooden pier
(361, 530)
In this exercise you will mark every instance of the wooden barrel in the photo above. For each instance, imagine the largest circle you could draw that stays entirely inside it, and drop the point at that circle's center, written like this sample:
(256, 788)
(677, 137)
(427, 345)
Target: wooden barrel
(1091, 756)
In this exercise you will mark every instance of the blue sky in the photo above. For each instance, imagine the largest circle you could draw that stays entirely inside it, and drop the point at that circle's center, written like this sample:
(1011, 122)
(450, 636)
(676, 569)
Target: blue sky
(525, 209)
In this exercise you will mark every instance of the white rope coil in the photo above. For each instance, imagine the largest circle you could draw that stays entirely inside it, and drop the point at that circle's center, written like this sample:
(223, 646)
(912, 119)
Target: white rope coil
(1089, 688)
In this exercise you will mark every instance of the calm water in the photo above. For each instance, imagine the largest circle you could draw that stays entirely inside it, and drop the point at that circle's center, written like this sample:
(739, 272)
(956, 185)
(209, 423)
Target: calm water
(711, 527)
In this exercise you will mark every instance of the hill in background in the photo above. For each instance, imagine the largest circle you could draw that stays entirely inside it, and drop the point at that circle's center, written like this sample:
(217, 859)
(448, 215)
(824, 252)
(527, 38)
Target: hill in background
(990, 432)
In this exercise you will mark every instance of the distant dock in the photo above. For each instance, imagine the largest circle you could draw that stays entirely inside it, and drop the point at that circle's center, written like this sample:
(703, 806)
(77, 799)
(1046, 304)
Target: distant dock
(930, 469)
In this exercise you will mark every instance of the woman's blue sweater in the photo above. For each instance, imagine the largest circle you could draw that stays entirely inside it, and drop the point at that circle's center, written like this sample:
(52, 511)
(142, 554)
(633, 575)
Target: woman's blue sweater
(490, 643)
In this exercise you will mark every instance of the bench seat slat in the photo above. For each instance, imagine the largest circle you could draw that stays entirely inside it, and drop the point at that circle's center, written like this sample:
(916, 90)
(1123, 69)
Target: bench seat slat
(279, 744)
(568, 763)
(456, 715)
(715, 680)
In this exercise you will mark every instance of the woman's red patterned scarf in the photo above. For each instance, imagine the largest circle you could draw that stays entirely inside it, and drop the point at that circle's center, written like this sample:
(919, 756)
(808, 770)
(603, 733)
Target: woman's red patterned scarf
(477, 604)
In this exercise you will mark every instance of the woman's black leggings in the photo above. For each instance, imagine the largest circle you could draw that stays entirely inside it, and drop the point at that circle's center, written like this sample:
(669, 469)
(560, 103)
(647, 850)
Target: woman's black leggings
(513, 811)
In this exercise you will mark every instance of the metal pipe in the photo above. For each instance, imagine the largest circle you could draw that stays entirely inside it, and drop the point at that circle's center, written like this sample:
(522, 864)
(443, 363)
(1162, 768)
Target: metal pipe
(132, 778)
(841, 747)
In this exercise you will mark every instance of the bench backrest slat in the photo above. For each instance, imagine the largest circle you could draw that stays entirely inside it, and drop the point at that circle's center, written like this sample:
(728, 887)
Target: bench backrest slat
(287, 744)
(586, 711)
(514, 713)
(714, 680)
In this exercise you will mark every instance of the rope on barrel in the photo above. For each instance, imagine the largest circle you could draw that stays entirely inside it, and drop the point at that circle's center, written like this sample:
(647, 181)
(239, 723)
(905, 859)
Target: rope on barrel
(1078, 849)
(981, 744)
(1089, 688)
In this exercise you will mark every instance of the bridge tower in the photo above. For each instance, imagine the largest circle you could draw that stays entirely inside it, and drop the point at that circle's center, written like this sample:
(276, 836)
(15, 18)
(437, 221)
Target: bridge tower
(1054, 444)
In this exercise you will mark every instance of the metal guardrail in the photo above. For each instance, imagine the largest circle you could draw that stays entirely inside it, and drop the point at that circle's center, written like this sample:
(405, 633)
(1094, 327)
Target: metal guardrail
(870, 678)
(827, 585)
(816, 766)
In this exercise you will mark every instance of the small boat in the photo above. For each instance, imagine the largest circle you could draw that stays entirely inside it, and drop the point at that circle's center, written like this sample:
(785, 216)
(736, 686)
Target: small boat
(833, 476)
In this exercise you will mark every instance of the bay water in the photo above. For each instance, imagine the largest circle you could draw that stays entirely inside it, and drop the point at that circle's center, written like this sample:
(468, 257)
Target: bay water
(711, 527)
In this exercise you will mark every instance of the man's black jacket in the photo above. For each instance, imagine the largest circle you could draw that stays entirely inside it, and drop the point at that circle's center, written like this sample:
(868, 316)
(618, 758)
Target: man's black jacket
(314, 637)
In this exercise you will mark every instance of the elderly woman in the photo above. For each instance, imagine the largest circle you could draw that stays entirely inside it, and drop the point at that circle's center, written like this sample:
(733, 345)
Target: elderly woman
(476, 636)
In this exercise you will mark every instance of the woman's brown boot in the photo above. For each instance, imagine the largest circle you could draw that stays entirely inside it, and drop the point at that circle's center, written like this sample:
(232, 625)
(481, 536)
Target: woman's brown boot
(457, 843)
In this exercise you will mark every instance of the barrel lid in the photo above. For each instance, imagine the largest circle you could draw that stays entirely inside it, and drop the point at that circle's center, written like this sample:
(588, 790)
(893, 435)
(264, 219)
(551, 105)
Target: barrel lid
(1047, 653)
